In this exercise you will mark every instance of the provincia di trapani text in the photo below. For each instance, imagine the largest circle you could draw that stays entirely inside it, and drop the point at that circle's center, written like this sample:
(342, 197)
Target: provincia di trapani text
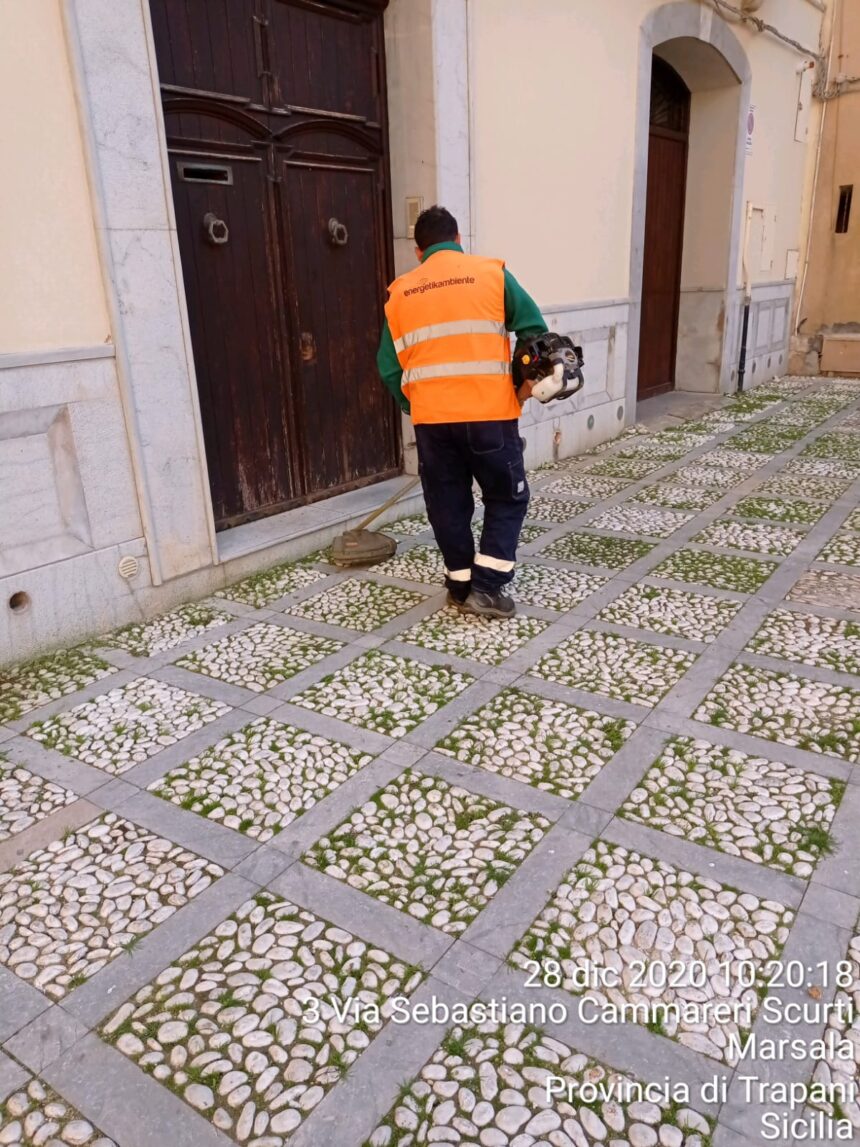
(787, 1035)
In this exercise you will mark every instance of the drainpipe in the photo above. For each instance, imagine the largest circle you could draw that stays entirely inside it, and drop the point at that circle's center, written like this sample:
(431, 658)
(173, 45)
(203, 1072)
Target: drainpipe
(742, 360)
(745, 326)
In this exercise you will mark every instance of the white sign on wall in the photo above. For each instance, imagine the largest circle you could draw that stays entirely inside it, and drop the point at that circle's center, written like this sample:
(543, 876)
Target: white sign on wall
(750, 128)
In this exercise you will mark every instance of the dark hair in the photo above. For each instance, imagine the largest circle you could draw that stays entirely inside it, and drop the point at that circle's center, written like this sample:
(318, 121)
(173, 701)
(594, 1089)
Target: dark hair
(435, 225)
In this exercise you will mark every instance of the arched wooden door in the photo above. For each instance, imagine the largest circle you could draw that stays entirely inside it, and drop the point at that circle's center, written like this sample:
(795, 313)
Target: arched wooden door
(664, 229)
(275, 112)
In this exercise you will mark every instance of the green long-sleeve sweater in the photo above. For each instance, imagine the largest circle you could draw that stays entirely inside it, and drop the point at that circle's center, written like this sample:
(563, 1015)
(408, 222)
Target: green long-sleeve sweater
(522, 316)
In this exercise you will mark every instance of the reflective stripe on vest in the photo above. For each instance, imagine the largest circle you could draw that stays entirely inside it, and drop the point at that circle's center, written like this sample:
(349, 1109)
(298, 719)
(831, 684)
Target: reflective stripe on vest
(441, 330)
(454, 369)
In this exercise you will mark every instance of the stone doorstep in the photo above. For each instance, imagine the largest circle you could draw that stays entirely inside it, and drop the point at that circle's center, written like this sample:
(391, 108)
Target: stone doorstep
(314, 526)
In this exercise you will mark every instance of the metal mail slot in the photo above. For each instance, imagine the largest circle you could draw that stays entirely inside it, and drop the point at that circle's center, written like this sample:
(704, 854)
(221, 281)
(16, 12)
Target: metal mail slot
(193, 172)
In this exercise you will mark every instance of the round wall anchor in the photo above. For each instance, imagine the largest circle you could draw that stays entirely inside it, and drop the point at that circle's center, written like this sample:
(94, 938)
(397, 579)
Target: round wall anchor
(128, 567)
(591, 422)
(619, 413)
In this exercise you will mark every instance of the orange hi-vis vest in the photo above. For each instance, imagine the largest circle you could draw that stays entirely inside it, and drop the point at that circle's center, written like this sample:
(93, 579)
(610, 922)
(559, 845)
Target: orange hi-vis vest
(447, 320)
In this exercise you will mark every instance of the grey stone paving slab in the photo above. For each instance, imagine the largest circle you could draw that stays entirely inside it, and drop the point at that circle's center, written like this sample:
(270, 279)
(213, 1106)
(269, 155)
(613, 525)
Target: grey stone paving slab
(616, 779)
(12, 1076)
(18, 847)
(651, 636)
(363, 916)
(841, 870)
(201, 683)
(262, 706)
(263, 865)
(301, 833)
(349, 1114)
(127, 1105)
(525, 658)
(585, 819)
(100, 995)
(146, 772)
(810, 942)
(21, 1003)
(332, 727)
(827, 766)
(205, 837)
(314, 673)
(830, 904)
(511, 911)
(466, 968)
(500, 676)
(403, 753)
(62, 704)
(368, 641)
(161, 657)
(44, 1040)
(313, 627)
(499, 788)
(435, 657)
(713, 591)
(596, 702)
(113, 794)
(725, 1137)
(715, 865)
(428, 734)
(53, 766)
(812, 672)
(406, 620)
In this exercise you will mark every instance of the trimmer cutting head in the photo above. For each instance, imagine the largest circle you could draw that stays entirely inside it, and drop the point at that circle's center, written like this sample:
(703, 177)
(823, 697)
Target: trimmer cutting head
(361, 548)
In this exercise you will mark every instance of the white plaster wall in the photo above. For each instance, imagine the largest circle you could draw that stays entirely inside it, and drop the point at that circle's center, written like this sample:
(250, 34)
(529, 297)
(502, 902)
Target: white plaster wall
(775, 166)
(411, 115)
(554, 145)
(710, 175)
(701, 323)
(50, 284)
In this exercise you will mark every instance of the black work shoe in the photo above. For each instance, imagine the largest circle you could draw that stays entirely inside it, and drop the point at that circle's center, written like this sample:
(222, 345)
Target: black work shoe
(496, 604)
(457, 602)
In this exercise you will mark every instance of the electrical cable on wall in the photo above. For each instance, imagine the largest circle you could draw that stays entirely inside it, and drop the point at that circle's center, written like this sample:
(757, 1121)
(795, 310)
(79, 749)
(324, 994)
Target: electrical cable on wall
(723, 6)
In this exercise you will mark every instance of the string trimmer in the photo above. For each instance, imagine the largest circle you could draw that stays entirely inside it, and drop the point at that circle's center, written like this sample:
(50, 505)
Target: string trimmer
(363, 547)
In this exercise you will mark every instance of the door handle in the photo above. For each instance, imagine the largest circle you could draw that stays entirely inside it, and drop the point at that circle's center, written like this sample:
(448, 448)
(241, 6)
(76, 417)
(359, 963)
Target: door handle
(337, 233)
(217, 230)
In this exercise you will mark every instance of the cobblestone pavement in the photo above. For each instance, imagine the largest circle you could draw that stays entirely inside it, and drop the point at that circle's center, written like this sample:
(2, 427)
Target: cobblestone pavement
(234, 840)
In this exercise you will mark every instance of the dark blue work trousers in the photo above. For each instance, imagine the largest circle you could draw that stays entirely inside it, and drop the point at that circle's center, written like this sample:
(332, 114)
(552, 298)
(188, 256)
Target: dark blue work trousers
(451, 455)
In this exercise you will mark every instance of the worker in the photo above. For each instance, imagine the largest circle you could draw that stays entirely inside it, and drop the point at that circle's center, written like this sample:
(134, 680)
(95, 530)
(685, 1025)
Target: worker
(445, 356)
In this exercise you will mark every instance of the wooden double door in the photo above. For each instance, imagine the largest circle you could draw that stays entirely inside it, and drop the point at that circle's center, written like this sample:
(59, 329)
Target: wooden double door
(664, 229)
(276, 133)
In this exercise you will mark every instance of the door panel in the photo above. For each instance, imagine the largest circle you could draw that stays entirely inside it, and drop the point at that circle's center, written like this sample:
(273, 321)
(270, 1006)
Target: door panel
(661, 276)
(337, 314)
(236, 332)
(209, 45)
(324, 59)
